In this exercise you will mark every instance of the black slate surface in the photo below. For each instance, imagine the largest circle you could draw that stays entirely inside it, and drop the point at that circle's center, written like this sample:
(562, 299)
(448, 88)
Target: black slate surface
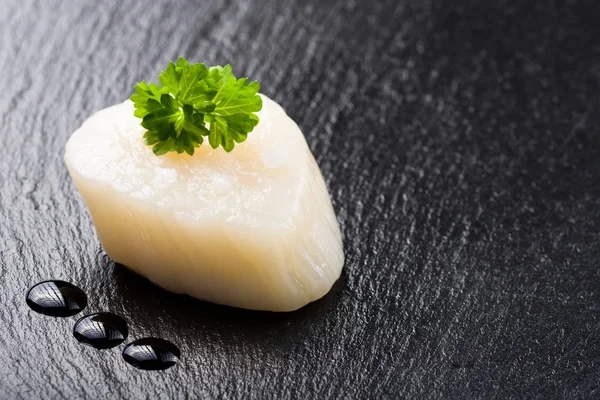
(460, 143)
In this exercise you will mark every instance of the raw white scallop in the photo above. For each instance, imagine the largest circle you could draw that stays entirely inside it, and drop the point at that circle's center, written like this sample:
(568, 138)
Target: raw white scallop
(253, 228)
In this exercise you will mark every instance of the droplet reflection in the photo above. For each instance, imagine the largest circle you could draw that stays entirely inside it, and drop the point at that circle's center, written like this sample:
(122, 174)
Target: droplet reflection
(101, 330)
(56, 299)
(151, 354)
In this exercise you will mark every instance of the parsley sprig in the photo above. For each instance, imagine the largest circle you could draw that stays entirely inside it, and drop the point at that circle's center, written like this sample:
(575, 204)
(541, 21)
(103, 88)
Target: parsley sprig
(194, 102)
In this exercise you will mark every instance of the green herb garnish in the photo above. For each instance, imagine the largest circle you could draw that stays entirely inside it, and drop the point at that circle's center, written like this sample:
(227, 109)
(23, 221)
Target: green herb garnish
(195, 101)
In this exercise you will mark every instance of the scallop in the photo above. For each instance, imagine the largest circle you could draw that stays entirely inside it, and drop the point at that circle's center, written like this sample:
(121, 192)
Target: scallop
(253, 228)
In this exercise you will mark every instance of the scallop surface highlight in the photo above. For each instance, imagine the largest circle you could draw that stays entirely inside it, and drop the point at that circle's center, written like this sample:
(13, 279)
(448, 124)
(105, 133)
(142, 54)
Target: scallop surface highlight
(253, 228)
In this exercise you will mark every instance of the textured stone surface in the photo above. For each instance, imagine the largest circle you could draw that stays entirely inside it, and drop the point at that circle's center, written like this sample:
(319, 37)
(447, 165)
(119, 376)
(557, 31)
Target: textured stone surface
(461, 144)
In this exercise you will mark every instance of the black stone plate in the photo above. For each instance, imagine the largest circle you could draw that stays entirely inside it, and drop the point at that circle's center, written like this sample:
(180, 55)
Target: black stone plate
(460, 141)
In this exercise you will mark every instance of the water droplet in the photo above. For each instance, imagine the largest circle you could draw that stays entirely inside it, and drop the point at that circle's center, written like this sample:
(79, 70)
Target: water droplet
(56, 298)
(151, 354)
(101, 330)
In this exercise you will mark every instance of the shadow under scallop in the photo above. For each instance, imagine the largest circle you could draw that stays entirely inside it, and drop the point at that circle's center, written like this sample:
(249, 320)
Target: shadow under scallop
(155, 311)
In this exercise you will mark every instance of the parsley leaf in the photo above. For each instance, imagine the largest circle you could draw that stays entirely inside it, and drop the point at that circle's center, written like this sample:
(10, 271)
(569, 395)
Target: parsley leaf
(193, 102)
